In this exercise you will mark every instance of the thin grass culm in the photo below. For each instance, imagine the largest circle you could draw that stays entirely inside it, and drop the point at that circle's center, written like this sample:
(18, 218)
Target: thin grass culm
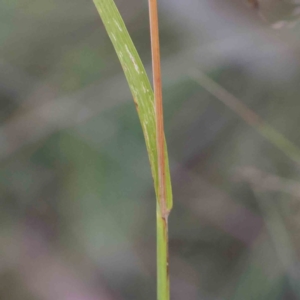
(163, 281)
(150, 112)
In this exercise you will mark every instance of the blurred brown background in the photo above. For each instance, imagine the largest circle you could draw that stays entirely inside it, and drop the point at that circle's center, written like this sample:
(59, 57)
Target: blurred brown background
(77, 204)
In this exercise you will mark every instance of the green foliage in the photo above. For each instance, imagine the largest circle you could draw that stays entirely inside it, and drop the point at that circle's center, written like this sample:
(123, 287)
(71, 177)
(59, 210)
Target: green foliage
(144, 101)
(138, 82)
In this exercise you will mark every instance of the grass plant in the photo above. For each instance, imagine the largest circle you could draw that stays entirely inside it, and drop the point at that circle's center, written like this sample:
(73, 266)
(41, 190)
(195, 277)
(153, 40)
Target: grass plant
(150, 111)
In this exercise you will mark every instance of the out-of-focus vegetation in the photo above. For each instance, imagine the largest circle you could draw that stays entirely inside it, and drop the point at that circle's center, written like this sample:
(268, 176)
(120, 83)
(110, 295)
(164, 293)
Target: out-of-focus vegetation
(77, 204)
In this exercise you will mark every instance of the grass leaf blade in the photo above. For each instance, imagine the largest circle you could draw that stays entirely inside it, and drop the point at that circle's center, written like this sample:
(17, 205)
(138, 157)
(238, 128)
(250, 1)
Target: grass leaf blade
(139, 85)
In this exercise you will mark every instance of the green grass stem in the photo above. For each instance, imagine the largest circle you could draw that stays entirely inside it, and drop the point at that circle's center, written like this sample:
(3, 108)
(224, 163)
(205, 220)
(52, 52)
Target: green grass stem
(143, 97)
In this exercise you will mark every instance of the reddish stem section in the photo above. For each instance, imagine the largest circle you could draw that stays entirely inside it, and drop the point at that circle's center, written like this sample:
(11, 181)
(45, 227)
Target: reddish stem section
(157, 85)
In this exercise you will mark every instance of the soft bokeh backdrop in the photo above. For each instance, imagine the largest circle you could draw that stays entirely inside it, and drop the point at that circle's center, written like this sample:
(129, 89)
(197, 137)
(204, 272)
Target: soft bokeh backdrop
(77, 207)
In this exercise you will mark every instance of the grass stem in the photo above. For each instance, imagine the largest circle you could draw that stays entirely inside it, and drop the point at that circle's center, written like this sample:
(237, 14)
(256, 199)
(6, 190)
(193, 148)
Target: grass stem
(163, 282)
(157, 86)
(150, 110)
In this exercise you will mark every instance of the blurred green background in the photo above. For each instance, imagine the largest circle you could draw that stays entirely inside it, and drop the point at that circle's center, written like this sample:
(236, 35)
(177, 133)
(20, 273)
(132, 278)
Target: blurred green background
(77, 203)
